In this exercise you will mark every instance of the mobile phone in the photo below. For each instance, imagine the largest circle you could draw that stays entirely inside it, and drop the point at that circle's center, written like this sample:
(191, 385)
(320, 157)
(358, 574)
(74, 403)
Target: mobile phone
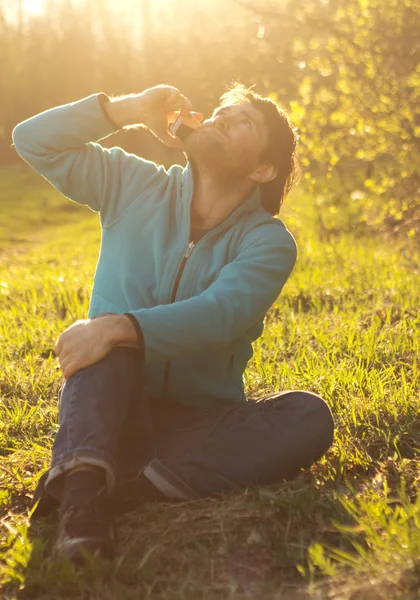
(180, 129)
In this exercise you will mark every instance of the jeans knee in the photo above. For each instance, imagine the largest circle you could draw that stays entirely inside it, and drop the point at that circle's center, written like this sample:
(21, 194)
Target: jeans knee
(323, 418)
(118, 370)
(122, 360)
(317, 410)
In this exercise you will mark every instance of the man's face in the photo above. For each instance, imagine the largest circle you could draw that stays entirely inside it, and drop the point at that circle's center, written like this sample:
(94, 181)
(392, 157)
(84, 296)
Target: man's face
(230, 143)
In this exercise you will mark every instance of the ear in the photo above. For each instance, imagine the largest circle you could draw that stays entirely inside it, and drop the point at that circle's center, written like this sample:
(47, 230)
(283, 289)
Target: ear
(263, 173)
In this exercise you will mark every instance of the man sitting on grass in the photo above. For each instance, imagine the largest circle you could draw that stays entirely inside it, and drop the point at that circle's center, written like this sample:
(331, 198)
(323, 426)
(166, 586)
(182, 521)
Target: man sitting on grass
(153, 405)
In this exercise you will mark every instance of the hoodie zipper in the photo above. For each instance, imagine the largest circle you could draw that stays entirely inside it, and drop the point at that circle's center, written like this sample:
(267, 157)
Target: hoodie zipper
(188, 251)
(187, 254)
(181, 269)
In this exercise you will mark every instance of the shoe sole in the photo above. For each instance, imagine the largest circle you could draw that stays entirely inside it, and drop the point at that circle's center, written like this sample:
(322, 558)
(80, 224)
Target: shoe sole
(77, 549)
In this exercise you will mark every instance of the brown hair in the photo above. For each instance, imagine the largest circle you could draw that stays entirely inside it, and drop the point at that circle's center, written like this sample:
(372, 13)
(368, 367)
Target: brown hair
(281, 149)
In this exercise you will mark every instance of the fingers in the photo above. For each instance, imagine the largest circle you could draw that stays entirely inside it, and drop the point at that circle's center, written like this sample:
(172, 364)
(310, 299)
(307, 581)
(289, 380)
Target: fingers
(70, 363)
(177, 101)
(197, 115)
(64, 363)
(166, 104)
(66, 335)
(161, 131)
(58, 347)
(61, 347)
(192, 119)
(187, 107)
(69, 369)
(63, 353)
(172, 116)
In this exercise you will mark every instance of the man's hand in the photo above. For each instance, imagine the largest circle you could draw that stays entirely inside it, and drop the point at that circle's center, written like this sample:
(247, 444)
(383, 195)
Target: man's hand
(161, 105)
(88, 341)
(156, 108)
(84, 343)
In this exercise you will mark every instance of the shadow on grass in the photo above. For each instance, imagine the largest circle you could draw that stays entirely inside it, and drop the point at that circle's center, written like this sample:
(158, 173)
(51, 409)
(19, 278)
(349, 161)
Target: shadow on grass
(245, 545)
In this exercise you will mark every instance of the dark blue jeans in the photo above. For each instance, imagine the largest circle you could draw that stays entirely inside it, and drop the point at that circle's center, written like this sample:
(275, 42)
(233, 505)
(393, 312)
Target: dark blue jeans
(186, 452)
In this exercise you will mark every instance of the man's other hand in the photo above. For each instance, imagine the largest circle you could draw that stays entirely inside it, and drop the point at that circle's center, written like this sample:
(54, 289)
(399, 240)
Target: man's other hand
(84, 343)
(88, 341)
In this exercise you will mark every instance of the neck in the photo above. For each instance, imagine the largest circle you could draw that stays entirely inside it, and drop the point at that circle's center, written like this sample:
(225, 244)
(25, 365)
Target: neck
(214, 200)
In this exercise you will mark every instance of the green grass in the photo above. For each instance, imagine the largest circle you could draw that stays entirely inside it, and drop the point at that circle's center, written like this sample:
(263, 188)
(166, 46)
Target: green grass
(346, 326)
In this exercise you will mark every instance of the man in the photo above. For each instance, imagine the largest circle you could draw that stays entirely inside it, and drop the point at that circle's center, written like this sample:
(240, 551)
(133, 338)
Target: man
(153, 405)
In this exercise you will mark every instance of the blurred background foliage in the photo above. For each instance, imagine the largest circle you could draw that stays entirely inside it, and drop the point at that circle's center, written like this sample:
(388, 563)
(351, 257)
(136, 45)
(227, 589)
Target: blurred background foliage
(348, 71)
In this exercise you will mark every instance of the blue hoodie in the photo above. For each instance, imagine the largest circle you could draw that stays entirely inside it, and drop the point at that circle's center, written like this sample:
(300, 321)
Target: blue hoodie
(198, 310)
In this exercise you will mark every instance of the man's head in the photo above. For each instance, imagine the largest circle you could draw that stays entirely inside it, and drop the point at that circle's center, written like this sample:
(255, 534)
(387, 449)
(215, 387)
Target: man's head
(249, 137)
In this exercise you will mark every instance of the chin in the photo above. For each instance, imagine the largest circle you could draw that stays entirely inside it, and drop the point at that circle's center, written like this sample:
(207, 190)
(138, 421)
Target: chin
(204, 151)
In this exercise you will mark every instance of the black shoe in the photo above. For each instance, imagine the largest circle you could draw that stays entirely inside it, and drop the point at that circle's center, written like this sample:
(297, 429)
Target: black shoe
(86, 528)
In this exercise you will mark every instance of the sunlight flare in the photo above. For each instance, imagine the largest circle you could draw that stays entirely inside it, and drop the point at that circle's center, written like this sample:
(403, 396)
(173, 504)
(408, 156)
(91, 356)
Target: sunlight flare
(33, 7)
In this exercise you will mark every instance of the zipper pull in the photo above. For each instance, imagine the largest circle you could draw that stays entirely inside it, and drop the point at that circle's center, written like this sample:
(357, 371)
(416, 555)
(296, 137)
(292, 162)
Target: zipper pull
(189, 249)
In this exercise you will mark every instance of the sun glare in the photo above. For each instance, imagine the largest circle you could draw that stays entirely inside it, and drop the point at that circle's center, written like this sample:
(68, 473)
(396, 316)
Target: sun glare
(37, 7)
(33, 7)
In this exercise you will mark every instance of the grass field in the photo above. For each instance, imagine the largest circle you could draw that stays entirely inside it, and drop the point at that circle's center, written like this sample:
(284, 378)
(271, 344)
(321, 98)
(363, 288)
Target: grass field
(346, 326)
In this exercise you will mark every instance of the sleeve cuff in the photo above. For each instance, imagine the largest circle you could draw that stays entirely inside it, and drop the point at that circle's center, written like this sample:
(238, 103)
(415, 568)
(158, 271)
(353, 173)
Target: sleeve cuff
(139, 333)
(103, 100)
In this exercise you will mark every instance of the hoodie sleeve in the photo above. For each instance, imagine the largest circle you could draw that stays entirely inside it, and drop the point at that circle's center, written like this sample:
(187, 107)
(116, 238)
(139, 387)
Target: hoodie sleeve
(241, 295)
(60, 144)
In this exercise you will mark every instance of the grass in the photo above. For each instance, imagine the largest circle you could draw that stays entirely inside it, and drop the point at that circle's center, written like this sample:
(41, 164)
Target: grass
(346, 326)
